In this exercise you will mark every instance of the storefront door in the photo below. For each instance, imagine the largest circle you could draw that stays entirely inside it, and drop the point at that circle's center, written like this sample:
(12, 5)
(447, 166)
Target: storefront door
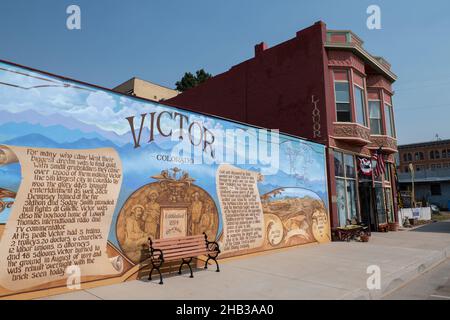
(380, 206)
(367, 204)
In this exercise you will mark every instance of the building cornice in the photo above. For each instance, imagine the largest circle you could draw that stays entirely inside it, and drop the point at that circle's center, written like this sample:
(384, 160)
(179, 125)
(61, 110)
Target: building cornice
(363, 54)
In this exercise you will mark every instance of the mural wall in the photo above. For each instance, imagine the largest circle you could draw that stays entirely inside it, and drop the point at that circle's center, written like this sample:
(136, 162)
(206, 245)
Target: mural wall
(88, 175)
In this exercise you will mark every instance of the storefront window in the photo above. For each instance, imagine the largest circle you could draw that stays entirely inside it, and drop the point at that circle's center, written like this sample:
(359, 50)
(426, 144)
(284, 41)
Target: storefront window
(389, 205)
(380, 204)
(351, 198)
(379, 177)
(346, 193)
(338, 165)
(341, 201)
(350, 171)
(387, 172)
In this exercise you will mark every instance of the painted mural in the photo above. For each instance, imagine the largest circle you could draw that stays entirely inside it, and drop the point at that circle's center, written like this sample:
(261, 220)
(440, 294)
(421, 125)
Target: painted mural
(87, 176)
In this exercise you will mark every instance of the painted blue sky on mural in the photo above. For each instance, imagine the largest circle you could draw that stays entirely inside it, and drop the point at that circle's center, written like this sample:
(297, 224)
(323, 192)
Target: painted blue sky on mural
(43, 111)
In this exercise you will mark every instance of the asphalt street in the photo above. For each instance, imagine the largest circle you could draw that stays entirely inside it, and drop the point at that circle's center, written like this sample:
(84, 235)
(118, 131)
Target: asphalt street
(433, 284)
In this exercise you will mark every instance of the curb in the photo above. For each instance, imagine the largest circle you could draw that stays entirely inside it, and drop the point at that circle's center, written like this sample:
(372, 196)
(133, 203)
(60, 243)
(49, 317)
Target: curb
(402, 277)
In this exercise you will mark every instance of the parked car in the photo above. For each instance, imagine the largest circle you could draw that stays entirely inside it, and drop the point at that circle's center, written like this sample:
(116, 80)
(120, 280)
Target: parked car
(435, 209)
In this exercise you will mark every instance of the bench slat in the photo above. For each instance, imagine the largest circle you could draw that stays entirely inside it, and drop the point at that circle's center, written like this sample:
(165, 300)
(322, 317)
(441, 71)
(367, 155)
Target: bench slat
(186, 248)
(180, 245)
(201, 236)
(196, 237)
(185, 254)
(165, 243)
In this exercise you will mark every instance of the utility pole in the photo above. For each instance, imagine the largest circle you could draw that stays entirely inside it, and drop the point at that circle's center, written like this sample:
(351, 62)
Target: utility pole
(413, 200)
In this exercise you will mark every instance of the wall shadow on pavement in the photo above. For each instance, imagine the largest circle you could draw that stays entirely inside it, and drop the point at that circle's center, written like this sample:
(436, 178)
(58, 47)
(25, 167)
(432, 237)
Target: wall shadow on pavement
(436, 227)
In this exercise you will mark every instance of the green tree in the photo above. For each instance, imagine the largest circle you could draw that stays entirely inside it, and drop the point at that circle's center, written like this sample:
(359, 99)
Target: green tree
(190, 81)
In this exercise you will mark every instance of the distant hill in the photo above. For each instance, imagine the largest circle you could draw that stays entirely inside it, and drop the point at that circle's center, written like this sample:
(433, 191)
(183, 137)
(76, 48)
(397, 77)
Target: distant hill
(48, 123)
(41, 141)
(59, 133)
(63, 129)
(33, 140)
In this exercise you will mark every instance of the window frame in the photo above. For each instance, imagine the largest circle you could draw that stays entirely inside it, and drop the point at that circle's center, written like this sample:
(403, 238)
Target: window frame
(391, 118)
(380, 119)
(336, 102)
(363, 101)
(345, 179)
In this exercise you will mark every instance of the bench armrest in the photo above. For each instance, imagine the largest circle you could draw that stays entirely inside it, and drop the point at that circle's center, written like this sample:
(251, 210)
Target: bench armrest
(155, 254)
(212, 246)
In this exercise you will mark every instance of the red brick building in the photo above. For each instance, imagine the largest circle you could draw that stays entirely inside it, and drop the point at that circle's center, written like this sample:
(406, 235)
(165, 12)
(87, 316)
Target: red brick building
(324, 86)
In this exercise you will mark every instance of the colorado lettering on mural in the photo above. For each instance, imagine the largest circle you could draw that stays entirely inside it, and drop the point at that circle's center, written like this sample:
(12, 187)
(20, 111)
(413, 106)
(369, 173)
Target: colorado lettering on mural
(198, 134)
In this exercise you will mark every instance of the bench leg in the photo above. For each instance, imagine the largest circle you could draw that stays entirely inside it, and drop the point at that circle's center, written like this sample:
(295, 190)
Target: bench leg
(188, 262)
(150, 275)
(181, 266)
(217, 264)
(189, 265)
(206, 263)
(160, 275)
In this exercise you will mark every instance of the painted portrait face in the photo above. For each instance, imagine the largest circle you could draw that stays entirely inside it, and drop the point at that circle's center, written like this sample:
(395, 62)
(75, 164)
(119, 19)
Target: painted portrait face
(152, 196)
(138, 211)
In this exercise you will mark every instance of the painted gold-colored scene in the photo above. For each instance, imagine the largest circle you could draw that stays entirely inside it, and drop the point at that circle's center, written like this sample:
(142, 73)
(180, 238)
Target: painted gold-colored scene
(292, 220)
(173, 206)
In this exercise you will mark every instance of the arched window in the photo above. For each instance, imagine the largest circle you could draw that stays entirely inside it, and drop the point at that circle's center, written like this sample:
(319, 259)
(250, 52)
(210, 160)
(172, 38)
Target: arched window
(404, 157)
(421, 156)
(409, 157)
(437, 154)
(431, 154)
(444, 154)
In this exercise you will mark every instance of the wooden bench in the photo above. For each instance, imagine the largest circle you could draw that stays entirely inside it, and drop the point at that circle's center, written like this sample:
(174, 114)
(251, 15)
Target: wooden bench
(354, 229)
(184, 249)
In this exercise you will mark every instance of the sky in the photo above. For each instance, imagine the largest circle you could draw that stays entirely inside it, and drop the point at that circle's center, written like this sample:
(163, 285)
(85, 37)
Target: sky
(159, 40)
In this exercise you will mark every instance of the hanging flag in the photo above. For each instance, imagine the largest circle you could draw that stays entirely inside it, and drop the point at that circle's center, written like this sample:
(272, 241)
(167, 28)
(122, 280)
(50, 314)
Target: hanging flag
(365, 166)
(379, 168)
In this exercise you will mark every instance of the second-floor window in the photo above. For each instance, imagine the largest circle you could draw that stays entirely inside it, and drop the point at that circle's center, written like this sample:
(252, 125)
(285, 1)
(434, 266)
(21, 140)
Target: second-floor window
(343, 109)
(342, 96)
(375, 117)
(360, 105)
(419, 156)
(389, 119)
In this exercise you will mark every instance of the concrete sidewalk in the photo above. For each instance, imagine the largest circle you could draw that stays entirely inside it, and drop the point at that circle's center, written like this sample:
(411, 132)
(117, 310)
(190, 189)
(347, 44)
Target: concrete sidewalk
(335, 270)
